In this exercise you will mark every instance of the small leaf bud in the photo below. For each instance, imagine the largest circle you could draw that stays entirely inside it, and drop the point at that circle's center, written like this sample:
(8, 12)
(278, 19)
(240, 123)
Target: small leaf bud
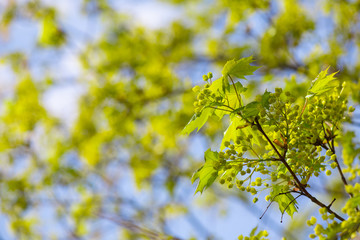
(333, 165)
(313, 220)
(322, 210)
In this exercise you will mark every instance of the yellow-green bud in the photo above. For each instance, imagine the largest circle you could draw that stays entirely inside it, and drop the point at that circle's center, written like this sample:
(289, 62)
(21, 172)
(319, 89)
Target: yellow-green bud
(322, 210)
(196, 89)
(313, 220)
(205, 77)
(333, 165)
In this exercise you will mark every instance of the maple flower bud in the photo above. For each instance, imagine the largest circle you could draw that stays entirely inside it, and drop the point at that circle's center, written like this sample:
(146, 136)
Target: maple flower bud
(205, 77)
(196, 89)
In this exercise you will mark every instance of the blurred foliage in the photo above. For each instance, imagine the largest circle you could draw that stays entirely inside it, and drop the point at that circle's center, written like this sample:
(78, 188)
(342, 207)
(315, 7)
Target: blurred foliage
(123, 161)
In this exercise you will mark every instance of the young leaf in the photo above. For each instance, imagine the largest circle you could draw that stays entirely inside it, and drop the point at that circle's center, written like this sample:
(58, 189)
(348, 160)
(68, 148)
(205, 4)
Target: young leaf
(197, 121)
(225, 84)
(235, 129)
(249, 110)
(322, 84)
(231, 132)
(265, 99)
(216, 85)
(233, 97)
(239, 68)
(256, 139)
(286, 201)
(206, 174)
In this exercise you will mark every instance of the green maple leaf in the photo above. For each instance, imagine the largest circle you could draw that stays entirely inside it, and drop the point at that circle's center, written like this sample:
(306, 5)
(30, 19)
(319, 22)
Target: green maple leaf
(322, 84)
(250, 110)
(216, 85)
(207, 173)
(233, 97)
(286, 201)
(231, 132)
(265, 99)
(239, 68)
(197, 121)
(236, 128)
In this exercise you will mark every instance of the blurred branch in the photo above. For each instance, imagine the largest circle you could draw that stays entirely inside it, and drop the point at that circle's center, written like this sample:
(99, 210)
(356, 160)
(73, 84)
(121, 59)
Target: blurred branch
(129, 225)
(355, 124)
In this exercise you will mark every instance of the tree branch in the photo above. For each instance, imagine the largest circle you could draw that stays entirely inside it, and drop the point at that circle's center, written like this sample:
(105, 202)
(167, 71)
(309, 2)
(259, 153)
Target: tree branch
(300, 185)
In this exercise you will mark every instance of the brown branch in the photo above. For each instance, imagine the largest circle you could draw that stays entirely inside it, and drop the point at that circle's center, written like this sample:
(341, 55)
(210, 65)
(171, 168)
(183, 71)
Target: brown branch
(331, 202)
(343, 179)
(282, 214)
(303, 109)
(299, 184)
(272, 200)
(151, 234)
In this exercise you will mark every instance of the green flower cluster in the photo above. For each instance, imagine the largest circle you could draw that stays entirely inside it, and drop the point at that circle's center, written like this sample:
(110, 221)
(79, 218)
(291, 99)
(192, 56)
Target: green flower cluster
(277, 143)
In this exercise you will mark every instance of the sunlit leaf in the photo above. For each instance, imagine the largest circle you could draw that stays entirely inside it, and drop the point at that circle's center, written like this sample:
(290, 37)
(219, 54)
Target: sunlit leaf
(265, 99)
(249, 110)
(285, 200)
(322, 84)
(197, 121)
(231, 132)
(207, 173)
(239, 68)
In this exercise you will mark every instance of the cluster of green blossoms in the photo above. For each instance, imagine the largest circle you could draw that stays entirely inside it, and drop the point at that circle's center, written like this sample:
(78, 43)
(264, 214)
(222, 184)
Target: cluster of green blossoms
(305, 139)
(273, 143)
(205, 95)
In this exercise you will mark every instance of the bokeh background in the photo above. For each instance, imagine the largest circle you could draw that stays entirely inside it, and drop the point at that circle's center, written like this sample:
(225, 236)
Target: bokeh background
(94, 95)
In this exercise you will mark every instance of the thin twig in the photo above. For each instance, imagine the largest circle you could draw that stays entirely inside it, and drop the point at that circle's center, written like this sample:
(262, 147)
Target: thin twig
(300, 186)
(272, 200)
(282, 214)
(237, 94)
(331, 202)
(136, 229)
